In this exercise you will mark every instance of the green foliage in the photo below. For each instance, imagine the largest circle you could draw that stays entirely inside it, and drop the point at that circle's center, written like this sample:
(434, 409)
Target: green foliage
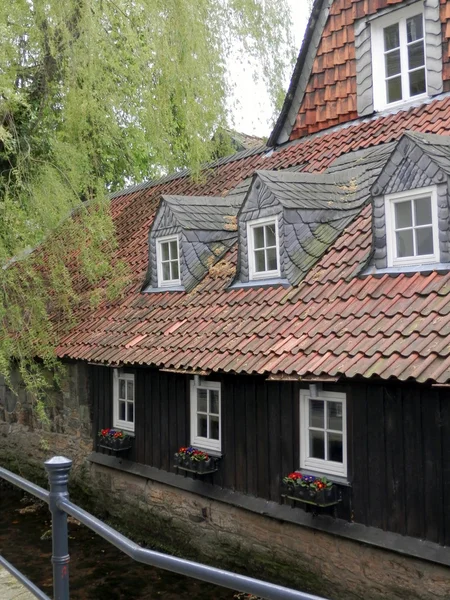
(96, 94)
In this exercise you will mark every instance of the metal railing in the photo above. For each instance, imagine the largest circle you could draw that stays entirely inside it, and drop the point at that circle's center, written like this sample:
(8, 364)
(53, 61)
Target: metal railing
(58, 469)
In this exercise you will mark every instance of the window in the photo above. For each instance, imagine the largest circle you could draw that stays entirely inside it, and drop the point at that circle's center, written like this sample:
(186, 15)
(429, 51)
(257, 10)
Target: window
(323, 432)
(123, 408)
(398, 57)
(205, 415)
(263, 248)
(168, 259)
(411, 227)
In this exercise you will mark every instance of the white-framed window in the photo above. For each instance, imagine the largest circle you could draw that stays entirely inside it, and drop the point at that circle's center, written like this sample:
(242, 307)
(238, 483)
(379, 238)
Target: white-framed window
(123, 400)
(399, 57)
(263, 248)
(206, 415)
(168, 261)
(412, 227)
(323, 432)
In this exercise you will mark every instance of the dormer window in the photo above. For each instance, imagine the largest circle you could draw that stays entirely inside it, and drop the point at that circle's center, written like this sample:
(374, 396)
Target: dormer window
(411, 224)
(168, 259)
(264, 248)
(398, 57)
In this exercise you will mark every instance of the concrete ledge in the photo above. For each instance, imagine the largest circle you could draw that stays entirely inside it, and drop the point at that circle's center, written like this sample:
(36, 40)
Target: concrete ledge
(394, 542)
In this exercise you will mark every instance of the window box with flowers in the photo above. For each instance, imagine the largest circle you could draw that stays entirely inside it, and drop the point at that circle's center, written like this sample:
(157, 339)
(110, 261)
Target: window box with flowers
(114, 441)
(195, 461)
(318, 491)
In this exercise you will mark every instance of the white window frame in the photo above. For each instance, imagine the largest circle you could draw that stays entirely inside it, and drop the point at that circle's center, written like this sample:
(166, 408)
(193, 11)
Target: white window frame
(378, 65)
(159, 242)
(389, 202)
(251, 225)
(118, 423)
(318, 465)
(197, 440)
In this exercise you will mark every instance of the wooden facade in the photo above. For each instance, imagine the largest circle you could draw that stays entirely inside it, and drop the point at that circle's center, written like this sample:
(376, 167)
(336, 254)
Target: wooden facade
(398, 442)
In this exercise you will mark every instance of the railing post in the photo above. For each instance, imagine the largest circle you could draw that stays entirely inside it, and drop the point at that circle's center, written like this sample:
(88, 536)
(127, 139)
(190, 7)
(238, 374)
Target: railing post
(58, 469)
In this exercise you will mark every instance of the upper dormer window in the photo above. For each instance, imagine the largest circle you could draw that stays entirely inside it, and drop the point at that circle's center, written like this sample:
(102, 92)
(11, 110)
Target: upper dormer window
(168, 259)
(398, 57)
(411, 225)
(264, 248)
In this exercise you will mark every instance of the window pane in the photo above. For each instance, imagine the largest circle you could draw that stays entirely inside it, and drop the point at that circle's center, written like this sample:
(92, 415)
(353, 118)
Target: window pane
(130, 390)
(414, 28)
(334, 416)
(214, 428)
(335, 447)
(424, 241)
(173, 249)
(260, 261)
(405, 243)
(316, 418)
(202, 400)
(270, 235)
(392, 62)
(316, 444)
(403, 214)
(394, 89)
(122, 389)
(422, 211)
(175, 270)
(166, 271)
(130, 417)
(202, 426)
(272, 263)
(391, 37)
(122, 408)
(417, 82)
(214, 402)
(258, 237)
(165, 251)
(416, 56)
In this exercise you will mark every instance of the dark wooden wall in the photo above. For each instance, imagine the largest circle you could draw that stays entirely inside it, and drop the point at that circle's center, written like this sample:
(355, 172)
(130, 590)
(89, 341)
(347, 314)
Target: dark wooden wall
(398, 443)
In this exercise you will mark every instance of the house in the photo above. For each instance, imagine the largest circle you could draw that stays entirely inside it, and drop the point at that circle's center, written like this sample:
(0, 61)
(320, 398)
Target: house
(290, 311)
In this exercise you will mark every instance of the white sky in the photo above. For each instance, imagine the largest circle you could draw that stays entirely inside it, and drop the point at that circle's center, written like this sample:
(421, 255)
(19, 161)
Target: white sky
(252, 111)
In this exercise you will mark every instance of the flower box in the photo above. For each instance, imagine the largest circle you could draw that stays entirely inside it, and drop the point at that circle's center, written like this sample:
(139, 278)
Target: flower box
(114, 441)
(311, 490)
(195, 461)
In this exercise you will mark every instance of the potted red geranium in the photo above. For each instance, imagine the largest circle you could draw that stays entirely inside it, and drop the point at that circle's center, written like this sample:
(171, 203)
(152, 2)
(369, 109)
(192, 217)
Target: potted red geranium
(318, 491)
(195, 460)
(114, 440)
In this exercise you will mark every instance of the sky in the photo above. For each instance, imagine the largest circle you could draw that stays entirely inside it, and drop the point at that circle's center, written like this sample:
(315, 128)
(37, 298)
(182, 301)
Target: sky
(250, 104)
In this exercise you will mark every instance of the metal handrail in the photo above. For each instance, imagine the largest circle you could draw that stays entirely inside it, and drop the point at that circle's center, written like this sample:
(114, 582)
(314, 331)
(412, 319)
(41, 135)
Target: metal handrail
(58, 469)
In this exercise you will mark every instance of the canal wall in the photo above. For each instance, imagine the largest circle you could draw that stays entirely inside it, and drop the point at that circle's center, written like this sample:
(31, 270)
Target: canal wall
(174, 519)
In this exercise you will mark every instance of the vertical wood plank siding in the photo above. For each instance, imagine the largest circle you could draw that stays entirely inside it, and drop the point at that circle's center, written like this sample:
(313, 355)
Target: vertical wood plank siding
(398, 442)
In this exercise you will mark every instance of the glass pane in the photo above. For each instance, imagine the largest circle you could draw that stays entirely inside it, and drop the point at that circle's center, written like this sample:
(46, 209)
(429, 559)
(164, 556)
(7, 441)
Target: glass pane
(392, 62)
(165, 251)
(175, 270)
(173, 249)
(202, 426)
(414, 28)
(405, 245)
(334, 416)
(403, 214)
(335, 447)
(422, 211)
(130, 418)
(166, 271)
(271, 256)
(214, 402)
(214, 428)
(316, 444)
(122, 389)
(416, 56)
(270, 235)
(424, 241)
(391, 37)
(417, 82)
(258, 237)
(316, 418)
(202, 400)
(122, 407)
(260, 261)
(130, 390)
(394, 89)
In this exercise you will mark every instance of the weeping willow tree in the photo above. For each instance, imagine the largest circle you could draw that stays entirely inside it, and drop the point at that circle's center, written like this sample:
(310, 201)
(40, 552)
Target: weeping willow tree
(95, 94)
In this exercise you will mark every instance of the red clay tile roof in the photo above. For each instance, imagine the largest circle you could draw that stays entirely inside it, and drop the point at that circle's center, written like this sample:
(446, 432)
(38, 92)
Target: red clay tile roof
(333, 323)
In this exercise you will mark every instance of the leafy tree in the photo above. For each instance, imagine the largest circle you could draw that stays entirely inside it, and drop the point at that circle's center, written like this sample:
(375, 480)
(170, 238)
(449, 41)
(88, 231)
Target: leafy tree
(95, 94)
